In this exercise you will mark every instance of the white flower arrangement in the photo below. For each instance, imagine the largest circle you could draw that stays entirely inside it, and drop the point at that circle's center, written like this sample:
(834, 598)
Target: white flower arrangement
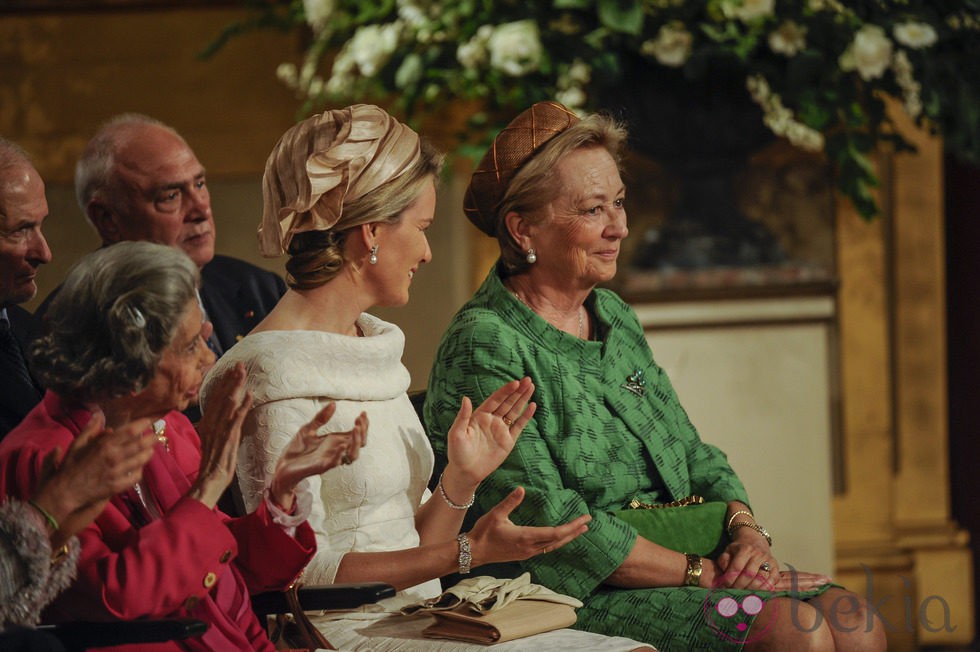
(818, 69)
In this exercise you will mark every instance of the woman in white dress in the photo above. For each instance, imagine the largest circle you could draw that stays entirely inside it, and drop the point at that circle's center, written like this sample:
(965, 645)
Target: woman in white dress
(348, 196)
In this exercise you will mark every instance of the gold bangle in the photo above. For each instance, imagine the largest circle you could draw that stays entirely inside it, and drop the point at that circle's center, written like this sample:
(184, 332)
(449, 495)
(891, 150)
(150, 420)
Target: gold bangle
(753, 526)
(692, 577)
(732, 518)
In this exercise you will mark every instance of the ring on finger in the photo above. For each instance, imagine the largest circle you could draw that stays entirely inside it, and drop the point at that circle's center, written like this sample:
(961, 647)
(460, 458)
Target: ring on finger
(765, 567)
(508, 421)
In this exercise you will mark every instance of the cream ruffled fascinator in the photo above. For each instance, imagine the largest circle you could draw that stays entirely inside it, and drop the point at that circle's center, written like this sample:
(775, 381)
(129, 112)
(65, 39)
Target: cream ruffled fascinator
(324, 162)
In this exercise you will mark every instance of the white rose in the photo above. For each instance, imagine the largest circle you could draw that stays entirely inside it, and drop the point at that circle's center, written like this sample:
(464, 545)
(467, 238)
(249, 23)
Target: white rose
(472, 53)
(286, 72)
(789, 38)
(411, 13)
(580, 72)
(905, 78)
(749, 10)
(672, 46)
(484, 33)
(339, 85)
(341, 75)
(826, 5)
(307, 71)
(572, 98)
(409, 72)
(915, 35)
(372, 46)
(317, 12)
(869, 53)
(515, 48)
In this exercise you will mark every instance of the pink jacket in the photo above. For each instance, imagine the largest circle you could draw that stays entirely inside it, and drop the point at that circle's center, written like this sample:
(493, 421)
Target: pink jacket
(192, 562)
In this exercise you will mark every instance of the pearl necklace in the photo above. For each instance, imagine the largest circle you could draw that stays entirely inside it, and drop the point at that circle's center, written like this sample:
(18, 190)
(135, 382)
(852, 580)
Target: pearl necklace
(581, 322)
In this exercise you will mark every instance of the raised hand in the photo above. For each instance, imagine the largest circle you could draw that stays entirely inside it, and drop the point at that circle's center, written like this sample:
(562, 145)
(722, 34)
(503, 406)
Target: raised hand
(479, 440)
(220, 430)
(310, 453)
(495, 538)
(100, 463)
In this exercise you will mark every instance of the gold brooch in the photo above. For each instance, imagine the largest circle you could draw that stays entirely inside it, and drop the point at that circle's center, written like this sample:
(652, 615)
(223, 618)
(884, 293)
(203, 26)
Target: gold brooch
(160, 431)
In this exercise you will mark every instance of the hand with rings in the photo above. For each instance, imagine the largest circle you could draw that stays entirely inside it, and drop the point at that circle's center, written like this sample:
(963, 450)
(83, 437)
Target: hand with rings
(311, 453)
(480, 439)
(495, 538)
(747, 565)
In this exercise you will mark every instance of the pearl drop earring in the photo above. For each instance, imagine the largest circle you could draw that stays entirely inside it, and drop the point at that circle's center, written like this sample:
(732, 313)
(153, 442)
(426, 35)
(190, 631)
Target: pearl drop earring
(531, 256)
(374, 255)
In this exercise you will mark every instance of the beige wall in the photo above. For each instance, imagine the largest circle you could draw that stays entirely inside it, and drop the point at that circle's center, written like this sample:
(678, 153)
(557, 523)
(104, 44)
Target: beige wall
(61, 75)
(771, 414)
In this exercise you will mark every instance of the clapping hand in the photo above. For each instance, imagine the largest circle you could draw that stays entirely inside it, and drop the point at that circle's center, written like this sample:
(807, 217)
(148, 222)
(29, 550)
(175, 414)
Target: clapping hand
(100, 463)
(479, 440)
(495, 538)
(220, 430)
(310, 453)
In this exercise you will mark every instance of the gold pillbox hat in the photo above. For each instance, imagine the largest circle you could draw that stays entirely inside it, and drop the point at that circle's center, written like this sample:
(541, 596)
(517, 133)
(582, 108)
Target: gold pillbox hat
(512, 147)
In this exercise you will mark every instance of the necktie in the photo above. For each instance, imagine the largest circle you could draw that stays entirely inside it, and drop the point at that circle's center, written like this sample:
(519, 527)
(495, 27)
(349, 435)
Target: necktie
(212, 341)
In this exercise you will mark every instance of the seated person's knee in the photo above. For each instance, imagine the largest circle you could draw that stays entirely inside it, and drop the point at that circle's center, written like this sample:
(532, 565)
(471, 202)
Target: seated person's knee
(788, 624)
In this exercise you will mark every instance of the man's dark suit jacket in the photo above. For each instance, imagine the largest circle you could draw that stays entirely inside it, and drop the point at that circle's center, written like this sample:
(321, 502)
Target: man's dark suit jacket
(237, 296)
(16, 399)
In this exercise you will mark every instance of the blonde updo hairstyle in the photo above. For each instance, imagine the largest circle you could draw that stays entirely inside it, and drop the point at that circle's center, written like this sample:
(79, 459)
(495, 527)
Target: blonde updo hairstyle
(315, 257)
(536, 183)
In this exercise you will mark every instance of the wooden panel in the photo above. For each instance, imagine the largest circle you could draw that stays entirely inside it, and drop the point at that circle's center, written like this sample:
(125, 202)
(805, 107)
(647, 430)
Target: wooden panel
(922, 481)
(863, 511)
(64, 74)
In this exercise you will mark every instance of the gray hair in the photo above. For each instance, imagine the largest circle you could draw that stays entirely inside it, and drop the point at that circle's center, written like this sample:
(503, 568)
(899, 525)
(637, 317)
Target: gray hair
(12, 154)
(536, 184)
(93, 172)
(116, 312)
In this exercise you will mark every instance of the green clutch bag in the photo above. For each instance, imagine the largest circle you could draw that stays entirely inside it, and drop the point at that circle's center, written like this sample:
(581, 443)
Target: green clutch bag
(687, 525)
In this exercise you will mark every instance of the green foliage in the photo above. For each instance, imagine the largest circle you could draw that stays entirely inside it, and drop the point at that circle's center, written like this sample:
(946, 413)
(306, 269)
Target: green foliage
(819, 69)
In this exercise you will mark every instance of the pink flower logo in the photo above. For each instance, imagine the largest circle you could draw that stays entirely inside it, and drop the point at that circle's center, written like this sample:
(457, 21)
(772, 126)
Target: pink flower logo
(721, 609)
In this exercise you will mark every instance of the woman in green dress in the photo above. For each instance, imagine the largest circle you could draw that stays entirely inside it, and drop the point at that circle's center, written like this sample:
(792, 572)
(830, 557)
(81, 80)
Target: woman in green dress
(609, 428)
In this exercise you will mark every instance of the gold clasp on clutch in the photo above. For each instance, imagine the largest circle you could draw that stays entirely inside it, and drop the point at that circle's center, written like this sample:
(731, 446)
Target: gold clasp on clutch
(686, 500)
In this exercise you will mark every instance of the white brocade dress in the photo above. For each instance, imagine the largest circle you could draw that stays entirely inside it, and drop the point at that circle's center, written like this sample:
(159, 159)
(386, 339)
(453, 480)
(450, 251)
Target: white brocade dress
(370, 505)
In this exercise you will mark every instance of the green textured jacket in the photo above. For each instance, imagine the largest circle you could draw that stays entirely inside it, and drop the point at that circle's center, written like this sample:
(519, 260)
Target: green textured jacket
(593, 444)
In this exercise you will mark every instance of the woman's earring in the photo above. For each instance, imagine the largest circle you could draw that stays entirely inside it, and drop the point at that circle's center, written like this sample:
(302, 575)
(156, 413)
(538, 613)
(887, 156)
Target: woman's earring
(374, 255)
(531, 256)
